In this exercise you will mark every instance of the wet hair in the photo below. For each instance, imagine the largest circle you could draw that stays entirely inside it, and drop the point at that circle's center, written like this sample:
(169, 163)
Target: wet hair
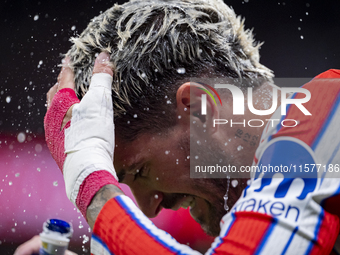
(155, 46)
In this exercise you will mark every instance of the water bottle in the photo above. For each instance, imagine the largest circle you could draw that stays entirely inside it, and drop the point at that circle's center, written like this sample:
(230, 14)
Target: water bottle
(55, 237)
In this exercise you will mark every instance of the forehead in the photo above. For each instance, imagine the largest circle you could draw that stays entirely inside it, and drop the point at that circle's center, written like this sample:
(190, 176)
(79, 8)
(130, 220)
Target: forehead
(128, 153)
(156, 149)
(143, 148)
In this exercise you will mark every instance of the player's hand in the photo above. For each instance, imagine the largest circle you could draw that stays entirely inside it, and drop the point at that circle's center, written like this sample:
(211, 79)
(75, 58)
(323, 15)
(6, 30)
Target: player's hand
(60, 100)
(32, 246)
(84, 131)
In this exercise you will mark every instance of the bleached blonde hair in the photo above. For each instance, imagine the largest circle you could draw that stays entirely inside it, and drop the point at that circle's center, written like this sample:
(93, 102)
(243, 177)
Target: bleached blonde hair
(150, 41)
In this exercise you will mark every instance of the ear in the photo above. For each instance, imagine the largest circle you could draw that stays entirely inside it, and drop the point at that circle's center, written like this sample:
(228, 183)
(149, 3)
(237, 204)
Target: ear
(189, 106)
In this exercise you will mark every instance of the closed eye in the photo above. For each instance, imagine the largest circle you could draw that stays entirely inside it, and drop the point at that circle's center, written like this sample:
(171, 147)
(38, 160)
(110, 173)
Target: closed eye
(139, 173)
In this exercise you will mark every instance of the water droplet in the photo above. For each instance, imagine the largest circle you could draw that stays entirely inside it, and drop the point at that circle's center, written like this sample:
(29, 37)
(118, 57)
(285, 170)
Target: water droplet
(10, 183)
(226, 196)
(135, 115)
(80, 225)
(38, 169)
(143, 75)
(225, 144)
(167, 152)
(198, 142)
(73, 28)
(36, 17)
(181, 70)
(157, 178)
(234, 183)
(21, 137)
(156, 196)
(8, 99)
(301, 37)
(196, 157)
(55, 183)
(17, 174)
(13, 230)
(86, 239)
(239, 148)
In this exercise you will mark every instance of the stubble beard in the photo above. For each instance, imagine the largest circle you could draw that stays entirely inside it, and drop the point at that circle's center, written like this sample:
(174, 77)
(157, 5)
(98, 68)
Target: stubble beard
(215, 188)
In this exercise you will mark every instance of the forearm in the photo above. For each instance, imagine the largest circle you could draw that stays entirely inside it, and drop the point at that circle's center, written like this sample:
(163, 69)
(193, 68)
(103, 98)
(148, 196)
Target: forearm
(102, 196)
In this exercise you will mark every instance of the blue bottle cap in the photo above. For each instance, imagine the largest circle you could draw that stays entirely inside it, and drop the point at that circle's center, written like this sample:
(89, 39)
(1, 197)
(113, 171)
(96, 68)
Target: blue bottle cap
(58, 226)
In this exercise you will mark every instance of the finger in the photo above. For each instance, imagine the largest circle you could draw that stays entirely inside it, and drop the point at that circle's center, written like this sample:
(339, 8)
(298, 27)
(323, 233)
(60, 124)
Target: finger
(66, 76)
(50, 95)
(29, 247)
(67, 252)
(102, 64)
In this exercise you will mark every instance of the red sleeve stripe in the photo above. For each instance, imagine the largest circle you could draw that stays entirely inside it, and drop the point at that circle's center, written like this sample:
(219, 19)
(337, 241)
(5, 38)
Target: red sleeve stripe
(218, 241)
(265, 238)
(332, 73)
(322, 102)
(144, 226)
(279, 127)
(120, 224)
(248, 232)
(325, 234)
(328, 120)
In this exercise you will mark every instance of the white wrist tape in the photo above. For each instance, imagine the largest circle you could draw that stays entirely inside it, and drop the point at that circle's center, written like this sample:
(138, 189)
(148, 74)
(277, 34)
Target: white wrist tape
(89, 141)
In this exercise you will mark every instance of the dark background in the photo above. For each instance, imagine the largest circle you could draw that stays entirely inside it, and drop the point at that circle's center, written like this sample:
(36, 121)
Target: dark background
(34, 32)
(28, 39)
(301, 40)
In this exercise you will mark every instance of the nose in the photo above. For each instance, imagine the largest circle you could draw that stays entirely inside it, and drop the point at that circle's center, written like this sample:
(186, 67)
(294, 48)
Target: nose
(148, 200)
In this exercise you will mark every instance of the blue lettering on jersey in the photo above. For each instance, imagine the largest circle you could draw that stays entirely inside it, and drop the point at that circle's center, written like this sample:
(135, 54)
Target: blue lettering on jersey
(281, 153)
(288, 153)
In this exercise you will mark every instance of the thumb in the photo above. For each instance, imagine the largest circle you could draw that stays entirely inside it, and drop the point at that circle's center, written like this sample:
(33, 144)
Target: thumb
(102, 64)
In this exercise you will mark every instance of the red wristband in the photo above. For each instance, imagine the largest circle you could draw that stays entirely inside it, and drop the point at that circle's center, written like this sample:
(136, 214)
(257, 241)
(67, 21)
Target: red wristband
(53, 120)
(90, 186)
